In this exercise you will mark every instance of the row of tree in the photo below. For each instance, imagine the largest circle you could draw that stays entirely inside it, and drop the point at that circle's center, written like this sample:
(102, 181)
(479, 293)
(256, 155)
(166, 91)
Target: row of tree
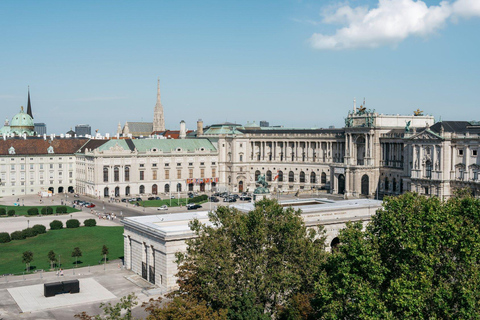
(27, 257)
(418, 258)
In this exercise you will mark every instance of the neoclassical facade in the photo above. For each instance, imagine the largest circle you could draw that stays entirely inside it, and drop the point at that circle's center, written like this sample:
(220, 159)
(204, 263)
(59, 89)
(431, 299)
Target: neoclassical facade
(125, 167)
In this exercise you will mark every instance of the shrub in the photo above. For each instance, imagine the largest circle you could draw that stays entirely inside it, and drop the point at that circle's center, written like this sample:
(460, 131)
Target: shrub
(32, 212)
(17, 235)
(4, 237)
(90, 223)
(56, 225)
(3, 211)
(61, 209)
(39, 228)
(11, 213)
(201, 198)
(47, 210)
(29, 233)
(73, 223)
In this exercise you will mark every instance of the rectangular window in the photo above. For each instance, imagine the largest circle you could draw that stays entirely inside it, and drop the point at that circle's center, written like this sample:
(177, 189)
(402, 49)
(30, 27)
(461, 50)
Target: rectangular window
(127, 173)
(179, 164)
(51, 165)
(202, 163)
(22, 167)
(41, 166)
(214, 172)
(31, 167)
(213, 163)
(105, 174)
(167, 164)
(190, 164)
(12, 167)
(460, 152)
(22, 175)
(190, 173)
(142, 165)
(474, 152)
(59, 166)
(154, 164)
(167, 174)
(202, 173)
(154, 175)
(142, 175)
(179, 174)
(70, 174)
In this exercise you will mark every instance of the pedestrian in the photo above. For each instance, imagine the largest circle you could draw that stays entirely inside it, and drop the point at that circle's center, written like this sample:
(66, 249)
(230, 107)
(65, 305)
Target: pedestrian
(61, 272)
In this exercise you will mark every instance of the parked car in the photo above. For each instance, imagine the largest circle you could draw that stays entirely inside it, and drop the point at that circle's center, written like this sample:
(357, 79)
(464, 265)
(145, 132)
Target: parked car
(151, 198)
(172, 197)
(193, 206)
(245, 198)
(164, 207)
(76, 195)
(157, 198)
(90, 205)
(214, 199)
(138, 199)
(124, 200)
(228, 199)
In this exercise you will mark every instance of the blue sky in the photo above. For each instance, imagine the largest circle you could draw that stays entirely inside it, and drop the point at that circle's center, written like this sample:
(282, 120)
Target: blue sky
(290, 62)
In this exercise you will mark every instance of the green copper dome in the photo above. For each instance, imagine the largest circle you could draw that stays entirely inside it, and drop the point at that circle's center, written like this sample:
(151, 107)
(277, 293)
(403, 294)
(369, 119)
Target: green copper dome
(21, 119)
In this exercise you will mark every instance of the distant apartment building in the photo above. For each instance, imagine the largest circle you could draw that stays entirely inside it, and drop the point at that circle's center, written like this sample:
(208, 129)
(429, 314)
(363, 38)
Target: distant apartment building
(83, 130)
(40, 128)
(264, 124)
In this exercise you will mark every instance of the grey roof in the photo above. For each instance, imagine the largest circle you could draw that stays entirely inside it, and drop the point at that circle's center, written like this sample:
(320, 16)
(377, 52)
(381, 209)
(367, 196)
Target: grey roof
(164, 145)
(451, 126)
(140, 127)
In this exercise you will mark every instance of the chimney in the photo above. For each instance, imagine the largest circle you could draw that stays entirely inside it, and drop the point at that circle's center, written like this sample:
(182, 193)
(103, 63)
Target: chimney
(199, 127)
(183, 130)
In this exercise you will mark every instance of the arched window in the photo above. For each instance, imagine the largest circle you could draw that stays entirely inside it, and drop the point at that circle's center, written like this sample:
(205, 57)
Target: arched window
(127, 191)
(387, 187)
(341, 184)
(106, 192)
(291, 177)
(257, 174)
(142, 189)
(127, 173)
(280, 176)
(167, 188)
(117, 191)
(105, 174)
(334, 244)
(269, 175)
(313, 178)
(154, 189)
(179, 187)
(302, 177)
(394, 185)
(116, 174)
(365, 185)
(323, 178)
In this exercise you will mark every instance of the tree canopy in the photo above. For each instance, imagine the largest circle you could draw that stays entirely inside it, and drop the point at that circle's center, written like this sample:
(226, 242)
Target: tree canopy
(251, 263)
(418, 258)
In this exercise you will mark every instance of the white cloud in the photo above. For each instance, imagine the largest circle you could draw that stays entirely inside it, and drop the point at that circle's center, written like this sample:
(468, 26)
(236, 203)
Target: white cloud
(389, 23)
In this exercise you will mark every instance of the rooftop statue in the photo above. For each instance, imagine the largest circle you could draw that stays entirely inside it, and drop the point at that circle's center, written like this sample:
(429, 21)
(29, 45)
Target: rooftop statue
(407, 126)
(418, 112)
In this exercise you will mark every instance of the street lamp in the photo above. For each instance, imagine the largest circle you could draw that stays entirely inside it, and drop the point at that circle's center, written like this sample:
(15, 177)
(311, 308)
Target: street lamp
(28, 223)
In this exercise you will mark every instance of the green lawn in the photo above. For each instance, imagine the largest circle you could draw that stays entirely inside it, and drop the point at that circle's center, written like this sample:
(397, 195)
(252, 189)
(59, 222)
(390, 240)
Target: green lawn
(22, 210)
(90, 240)
(158, 203)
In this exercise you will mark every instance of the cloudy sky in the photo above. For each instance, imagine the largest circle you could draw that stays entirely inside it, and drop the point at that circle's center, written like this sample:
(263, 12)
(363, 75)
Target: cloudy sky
(291, 62)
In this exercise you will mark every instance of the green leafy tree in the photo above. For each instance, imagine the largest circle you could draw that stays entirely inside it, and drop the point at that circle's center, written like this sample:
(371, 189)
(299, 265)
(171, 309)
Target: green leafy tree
(76, 253)
(182, 307)
(52, 257)
(119, 311)
(105, 253)
(27, 258)
(261, 259)
(417, 259)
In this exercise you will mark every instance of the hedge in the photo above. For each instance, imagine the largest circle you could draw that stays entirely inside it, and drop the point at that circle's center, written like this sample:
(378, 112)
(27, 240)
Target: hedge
(61, 209)
(73, 223)
(39, 228)
(201, 198)
(32, 211)
(56, 225)
(90, 223)
(29, 233)
(3, 212)
(47, 210)
(4, 237)
(11, 213)
(17, 235)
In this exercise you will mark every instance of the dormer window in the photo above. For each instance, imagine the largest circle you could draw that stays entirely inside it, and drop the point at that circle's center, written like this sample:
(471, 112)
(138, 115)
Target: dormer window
(202, 149)
(11, 150)
(50, 149)
(154, 150)
(179, 149)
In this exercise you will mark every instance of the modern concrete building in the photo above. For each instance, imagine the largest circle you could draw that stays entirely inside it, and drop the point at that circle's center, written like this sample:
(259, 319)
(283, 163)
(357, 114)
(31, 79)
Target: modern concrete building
(150, 242)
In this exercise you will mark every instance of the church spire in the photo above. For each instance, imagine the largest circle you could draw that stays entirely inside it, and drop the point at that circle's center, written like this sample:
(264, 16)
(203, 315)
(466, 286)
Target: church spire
(158, 118)
(29, 105)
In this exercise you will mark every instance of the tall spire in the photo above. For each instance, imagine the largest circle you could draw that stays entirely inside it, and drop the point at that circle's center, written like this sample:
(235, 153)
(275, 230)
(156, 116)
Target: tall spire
(29, 105)
(158, 118)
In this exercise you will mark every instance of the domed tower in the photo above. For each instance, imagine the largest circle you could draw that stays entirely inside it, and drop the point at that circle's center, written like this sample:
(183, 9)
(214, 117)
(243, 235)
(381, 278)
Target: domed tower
(22, 123)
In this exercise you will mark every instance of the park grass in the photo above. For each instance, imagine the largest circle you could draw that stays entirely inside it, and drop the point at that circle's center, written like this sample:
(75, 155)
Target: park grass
(22, 210)
(90, 240)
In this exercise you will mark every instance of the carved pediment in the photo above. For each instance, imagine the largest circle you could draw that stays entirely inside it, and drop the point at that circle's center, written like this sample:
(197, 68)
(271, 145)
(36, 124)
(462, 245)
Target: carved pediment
(116, 148)
(426, 135)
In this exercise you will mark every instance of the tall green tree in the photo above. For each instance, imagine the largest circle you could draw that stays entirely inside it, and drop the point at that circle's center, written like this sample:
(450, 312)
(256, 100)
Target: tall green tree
(105, 253)
(417, 259)
(261, 259)
(27, 258)
(76, 253)
(52, 257)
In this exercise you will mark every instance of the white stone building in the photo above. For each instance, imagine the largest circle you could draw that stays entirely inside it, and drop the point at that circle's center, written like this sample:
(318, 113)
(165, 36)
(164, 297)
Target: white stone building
(126, 167)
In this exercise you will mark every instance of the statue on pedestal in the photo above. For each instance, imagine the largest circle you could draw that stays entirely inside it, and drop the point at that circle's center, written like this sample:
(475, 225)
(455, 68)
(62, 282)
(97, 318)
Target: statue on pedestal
(263, 186)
